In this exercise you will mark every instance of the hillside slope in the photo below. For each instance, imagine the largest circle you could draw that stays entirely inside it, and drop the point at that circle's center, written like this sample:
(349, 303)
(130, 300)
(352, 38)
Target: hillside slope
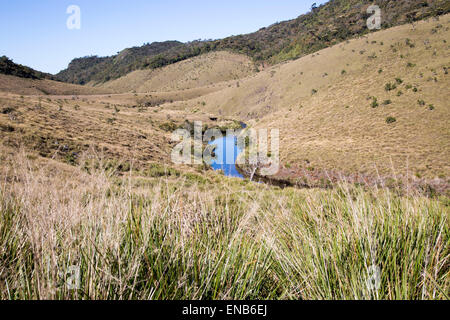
(332, 107)
(197, 72)
(27, 86)
(8, 67)
(100, 69)
(328, 24)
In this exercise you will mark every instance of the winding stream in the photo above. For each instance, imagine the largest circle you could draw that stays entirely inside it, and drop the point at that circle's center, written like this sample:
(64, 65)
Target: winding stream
(226, 153)
(227, 147)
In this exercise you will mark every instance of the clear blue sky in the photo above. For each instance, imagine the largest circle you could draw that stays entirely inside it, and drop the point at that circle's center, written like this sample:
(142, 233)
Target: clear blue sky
(34, 32)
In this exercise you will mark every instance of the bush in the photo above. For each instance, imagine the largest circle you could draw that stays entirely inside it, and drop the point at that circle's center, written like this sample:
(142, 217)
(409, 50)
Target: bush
(8, 110)
(168, 126)
(390, 120)
(374, 103)
(390, 86)
(410, 43)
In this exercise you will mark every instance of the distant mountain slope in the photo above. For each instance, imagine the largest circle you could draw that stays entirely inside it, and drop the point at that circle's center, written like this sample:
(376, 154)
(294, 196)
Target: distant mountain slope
(202, 71)
(8, 67)
(84, 70)
(331, 23)
(326, 25)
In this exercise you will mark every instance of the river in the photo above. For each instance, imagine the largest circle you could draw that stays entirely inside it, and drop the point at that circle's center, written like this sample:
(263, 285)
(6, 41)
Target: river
(226, 153)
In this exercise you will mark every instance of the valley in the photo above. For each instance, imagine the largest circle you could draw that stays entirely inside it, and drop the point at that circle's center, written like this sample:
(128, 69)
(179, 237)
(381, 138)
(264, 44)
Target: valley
(87, 176)
(331, 108)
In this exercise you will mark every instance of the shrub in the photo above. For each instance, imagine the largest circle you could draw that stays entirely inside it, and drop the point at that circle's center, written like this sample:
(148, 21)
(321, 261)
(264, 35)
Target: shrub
(386, 102)
(7, 110)
(390, 120)
(410, 43)
(390, 86)
(168, 126)
(374, 103)
(421, 102)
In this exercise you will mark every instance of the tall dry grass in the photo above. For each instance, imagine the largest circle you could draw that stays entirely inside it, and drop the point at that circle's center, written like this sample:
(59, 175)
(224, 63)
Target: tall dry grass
(177, 239)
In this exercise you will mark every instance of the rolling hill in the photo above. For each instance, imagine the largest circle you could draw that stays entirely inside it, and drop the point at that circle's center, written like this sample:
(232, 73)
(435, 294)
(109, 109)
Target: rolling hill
(202, 71)
(29, 86)
(326, 25)
(332, 107)
(100, 69)
(366, 109)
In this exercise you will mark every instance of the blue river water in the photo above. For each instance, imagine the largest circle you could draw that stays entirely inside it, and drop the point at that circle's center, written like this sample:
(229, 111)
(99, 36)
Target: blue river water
(226, 153)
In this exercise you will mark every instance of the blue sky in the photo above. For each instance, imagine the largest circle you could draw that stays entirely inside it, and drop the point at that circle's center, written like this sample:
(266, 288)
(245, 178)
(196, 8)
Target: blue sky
(34, 32)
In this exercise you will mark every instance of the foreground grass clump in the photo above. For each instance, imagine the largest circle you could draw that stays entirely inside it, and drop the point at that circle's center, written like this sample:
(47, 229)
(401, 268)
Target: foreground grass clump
(233, 241)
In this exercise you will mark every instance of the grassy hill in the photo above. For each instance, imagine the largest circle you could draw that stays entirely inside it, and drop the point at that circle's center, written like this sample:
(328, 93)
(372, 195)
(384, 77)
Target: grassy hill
(202, 71)
(328, 24)
(366, 109)
(332, 107)
(100, 69)
(30, 86)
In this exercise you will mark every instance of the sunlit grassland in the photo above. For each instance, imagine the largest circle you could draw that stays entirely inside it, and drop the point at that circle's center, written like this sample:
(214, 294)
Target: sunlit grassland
(178, 238)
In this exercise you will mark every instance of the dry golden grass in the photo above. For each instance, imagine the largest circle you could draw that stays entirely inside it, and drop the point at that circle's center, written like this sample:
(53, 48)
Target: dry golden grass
(325, 114)
(336, 128)
(62, 128)
(22, 86)
(202, 71)
(181, 238)
(86, 180)
(119, 126)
